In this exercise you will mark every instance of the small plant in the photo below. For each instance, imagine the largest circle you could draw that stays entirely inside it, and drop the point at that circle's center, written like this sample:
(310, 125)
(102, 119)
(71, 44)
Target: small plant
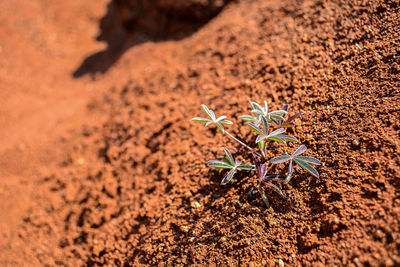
(260, 123)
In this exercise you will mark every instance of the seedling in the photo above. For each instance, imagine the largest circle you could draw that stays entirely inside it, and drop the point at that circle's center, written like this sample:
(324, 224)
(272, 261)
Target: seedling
(260, 123)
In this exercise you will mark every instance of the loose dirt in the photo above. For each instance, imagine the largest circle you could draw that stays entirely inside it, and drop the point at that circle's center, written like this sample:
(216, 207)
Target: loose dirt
(128, 185)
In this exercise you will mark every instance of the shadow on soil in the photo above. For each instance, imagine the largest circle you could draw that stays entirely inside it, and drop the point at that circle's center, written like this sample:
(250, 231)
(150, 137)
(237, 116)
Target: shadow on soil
(131, 22)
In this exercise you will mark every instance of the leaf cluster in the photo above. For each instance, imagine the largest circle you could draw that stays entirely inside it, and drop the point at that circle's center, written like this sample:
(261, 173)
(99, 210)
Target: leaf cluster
(261, 122)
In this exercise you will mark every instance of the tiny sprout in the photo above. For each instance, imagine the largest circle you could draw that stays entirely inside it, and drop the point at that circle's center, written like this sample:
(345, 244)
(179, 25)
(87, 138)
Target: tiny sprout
(213, 120)
(272, 117)
(262, 118)
(276, 135)
(229, 163)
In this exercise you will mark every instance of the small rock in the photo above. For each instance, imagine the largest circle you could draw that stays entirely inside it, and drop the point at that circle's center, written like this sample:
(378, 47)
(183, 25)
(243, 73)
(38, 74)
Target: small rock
(184, 228)
(281, 263)
(194, 204)
(356, 142)
(80, 161)
(188, 194)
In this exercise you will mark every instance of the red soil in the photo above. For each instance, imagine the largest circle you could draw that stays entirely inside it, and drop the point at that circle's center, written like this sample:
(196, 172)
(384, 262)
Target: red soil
(105, 171)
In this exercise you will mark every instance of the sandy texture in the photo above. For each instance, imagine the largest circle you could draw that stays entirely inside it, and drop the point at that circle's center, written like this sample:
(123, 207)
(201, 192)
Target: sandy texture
(133, 188)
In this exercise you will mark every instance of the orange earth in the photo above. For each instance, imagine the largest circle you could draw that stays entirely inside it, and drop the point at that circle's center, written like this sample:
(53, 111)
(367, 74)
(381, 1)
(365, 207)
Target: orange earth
(100, 164)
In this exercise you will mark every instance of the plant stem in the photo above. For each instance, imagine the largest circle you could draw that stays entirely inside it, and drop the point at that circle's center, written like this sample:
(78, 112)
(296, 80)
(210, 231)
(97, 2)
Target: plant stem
(243, 144)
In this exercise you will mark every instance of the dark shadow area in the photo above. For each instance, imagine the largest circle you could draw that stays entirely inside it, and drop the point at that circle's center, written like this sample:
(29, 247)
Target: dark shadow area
(131, 22)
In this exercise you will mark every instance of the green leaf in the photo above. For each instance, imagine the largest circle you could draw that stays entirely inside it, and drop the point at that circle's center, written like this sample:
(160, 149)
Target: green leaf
(256, 106)
(229, 156)
(258, 112)
(209, 112)
(248, 118)
(299, 151)
(220, 127)
(276, 117)
(266, 107)
(254, 128)
(261, 145)
(277, 132)
(264, 198)
(246, 167)
(311, 160)
(218, 164)
(265, 125)
(260, 138)
(276, 139)
(228, 177)
(226, 122)
(209, 123)
(307, 167)
(221, 118)
(280, 159)
(274, 187)
(278, 112)
(199, 119)
(288, 138)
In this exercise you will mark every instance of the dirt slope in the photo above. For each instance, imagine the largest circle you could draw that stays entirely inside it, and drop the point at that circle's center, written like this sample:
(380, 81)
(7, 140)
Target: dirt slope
(123, 193)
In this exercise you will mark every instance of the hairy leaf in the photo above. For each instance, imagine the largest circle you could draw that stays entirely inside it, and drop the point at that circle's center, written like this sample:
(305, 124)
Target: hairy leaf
(209, 112)
(298, 114)
(288, 138)
(299, 151)
(256, 162)
(265, 125)
(263, 170)
(254, 128)
(229, 156)
(260, 138)
(277, 117)
(226, 122)
(246, 167)
(264, 198)
(291, 167)
(285, 107)
(218, 164)
(223, 117)
(274, 187)
(277, 132)
(220, 127)
(278, 112)
(199, 119)
(311, 160)
(248, 118)
(209, 123)
(258, 112)
(265, 107)
(280, 159)
(256, 106)
(275, 177)
(228, 177)
(277, 139)
(307, 167)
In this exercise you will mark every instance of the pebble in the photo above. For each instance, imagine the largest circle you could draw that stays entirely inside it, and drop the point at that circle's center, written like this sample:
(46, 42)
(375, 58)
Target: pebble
(356, 142)
(188, 194)
(194, 204)
(281, 263)
(184, 228)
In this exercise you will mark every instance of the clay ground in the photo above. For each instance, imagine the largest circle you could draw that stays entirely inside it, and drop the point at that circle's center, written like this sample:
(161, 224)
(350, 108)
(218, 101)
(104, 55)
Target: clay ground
(106, 168)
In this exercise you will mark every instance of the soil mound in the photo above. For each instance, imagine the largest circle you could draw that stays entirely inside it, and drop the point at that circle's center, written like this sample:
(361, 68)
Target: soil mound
(124, 194)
